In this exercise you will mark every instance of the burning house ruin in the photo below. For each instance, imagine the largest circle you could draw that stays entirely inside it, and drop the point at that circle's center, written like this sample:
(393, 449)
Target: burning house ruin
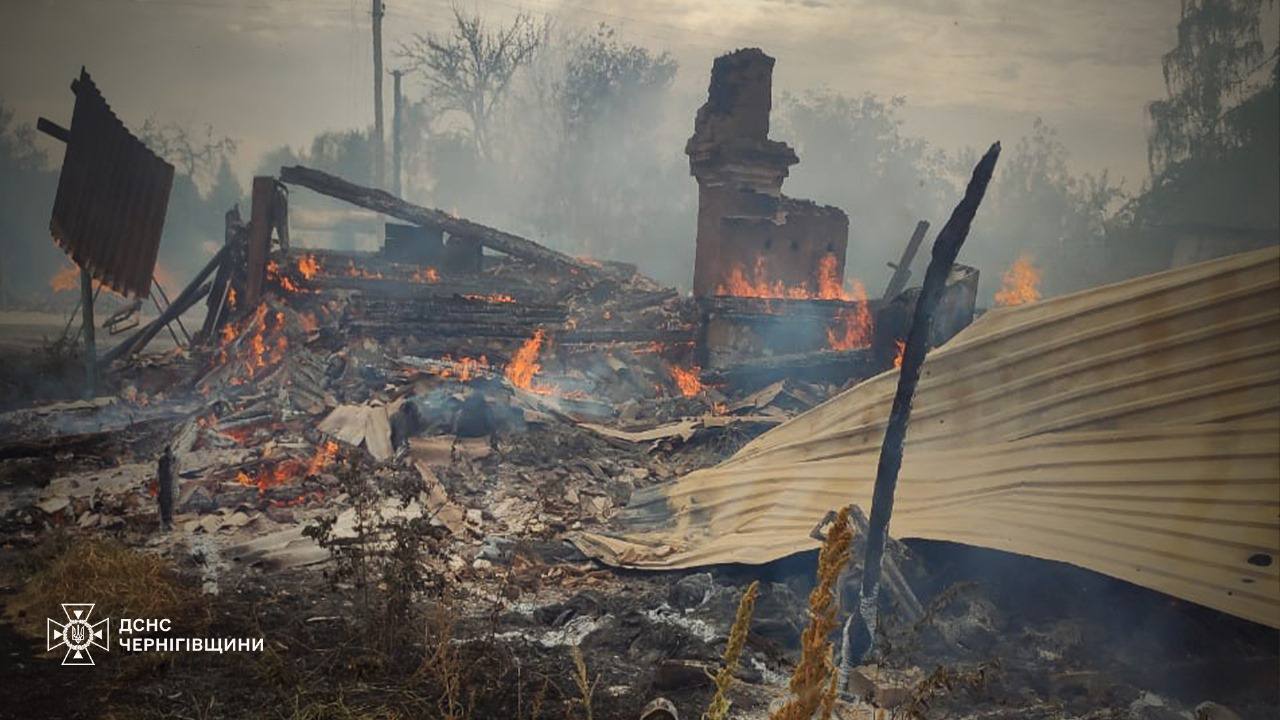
(475, 415)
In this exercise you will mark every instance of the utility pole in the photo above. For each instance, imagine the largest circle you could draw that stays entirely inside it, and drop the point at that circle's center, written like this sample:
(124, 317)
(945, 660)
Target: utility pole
(379, 149)
(396, 102)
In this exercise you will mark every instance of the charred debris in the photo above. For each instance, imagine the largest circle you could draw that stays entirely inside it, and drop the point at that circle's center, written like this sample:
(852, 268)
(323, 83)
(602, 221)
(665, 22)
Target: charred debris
(346, 438)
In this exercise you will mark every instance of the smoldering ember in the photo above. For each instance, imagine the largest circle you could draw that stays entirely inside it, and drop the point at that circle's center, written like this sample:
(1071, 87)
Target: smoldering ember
(337, 446)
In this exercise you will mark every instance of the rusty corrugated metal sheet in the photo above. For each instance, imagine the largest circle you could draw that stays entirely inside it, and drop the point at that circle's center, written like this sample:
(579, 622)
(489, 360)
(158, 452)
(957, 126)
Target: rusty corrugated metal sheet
(112, 196)
(1133, 429)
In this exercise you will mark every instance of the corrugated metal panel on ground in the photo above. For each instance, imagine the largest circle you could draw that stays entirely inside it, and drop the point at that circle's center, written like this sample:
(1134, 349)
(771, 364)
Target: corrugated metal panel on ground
(1132, 429)
(112, 196)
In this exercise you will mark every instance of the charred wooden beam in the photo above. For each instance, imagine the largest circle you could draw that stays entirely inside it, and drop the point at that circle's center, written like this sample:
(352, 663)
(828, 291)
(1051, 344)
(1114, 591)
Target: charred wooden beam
(945, 249)
(388, 204)
(902, 271)
(188, 297)
(835, 366)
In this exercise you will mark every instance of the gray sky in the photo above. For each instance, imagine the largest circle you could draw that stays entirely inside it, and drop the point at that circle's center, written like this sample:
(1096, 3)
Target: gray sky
(269, 72)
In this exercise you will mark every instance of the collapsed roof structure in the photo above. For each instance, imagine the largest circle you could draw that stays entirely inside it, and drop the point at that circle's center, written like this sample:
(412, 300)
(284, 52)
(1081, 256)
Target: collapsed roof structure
(1130, 429)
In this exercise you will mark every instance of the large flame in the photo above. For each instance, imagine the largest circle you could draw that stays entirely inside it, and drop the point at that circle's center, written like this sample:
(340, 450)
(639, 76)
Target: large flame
(852, 328)
(524, 365)
(758, 284)
(687, 380)
(264, 347)
(1020, 284)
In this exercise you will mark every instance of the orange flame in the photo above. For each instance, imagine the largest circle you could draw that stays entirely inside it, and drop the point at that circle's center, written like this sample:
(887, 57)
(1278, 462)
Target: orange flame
(830, 286)
(287, 471)
(524, 365)
(426, 275)
(1020, 284)
(359, 272)
(273, 272)
(495, 298)
(466, 368)
(902, 348)
(853, 325)
(258, 353)
(231, 298)
(68, 278)
(309, 266)
(758, 285)
(687, 380)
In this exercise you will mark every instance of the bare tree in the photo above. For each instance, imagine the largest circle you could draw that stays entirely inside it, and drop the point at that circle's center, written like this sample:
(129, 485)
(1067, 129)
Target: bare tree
(194, 155)
(470, 69)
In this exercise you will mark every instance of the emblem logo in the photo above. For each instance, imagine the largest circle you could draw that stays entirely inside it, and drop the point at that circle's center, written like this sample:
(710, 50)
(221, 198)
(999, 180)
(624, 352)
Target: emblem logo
(77, 634)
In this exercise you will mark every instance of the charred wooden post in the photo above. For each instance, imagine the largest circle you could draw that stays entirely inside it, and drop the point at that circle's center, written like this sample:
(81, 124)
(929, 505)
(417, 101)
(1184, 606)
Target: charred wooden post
(388, 204)
(228, 276)
(902, 271)
(164, 481)
(860, 626)
(90, 348)
(260, 216)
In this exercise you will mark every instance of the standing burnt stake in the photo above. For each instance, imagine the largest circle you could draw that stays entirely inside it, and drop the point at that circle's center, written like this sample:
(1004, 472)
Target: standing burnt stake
(859, 629)
(164, 479)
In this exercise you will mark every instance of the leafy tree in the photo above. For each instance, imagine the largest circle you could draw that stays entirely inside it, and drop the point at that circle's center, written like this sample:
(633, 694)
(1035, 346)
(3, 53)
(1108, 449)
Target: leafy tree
(603, 76)
(854, 154)
(470, 70)
(27, 186)
(1219, 48)
(1037, 206)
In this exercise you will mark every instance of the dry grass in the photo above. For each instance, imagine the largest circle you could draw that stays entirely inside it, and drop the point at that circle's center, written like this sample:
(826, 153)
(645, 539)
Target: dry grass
(813, 683)
(719, 708)
(586, 686)
(122, 583)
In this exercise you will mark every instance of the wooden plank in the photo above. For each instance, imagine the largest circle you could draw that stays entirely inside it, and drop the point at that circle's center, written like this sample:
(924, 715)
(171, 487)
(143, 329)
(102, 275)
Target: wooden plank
(388, 204)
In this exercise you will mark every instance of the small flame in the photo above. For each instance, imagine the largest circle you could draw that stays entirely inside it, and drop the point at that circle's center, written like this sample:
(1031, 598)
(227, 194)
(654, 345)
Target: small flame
(902, 348)
(495, 298)
(687, 379)
(359, 272)
(287, 471)
(1020, 284)
(273, 272)
(309, 266)
(426, 275)
(231, 298)
(68, 278)
(465, 368)
(524, 365)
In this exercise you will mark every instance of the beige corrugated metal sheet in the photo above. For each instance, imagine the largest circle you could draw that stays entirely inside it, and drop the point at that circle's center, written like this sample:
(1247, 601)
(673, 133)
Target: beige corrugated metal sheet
(1133, 429)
